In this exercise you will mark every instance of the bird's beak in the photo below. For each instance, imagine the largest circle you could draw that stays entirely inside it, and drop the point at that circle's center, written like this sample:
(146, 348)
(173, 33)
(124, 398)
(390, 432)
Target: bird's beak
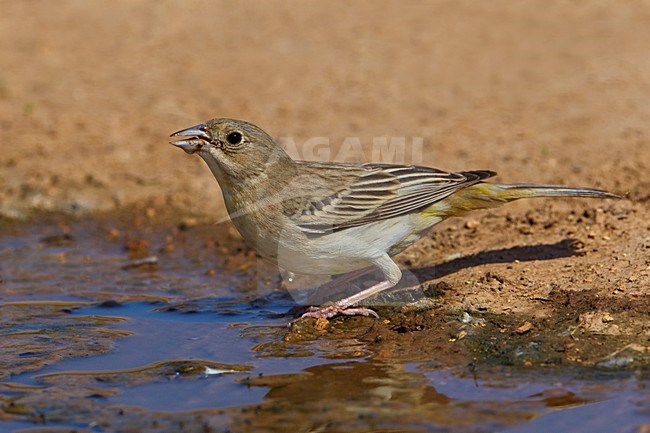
(195, 138)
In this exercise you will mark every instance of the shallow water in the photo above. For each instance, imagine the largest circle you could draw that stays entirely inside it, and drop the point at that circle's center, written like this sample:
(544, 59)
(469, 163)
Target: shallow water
(89, 344)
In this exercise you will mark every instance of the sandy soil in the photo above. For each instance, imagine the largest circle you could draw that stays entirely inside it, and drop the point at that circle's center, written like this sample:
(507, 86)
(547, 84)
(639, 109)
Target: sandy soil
(537, 91)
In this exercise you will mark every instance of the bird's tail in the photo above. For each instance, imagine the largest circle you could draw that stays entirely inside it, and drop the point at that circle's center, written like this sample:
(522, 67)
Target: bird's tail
(485, 195)
(522, 190)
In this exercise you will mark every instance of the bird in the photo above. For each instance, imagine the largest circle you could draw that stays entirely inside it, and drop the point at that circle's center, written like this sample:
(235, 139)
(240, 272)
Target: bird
(333, 218)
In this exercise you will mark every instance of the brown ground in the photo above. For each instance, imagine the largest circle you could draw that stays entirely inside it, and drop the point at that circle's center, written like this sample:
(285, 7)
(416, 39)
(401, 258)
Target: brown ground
(538, 91)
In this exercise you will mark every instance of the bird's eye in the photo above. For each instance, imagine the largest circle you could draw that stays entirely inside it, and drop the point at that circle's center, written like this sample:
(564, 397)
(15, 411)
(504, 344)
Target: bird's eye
(234, 137)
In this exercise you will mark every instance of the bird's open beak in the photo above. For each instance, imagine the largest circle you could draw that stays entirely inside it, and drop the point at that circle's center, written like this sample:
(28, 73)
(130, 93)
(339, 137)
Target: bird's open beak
(195, 139)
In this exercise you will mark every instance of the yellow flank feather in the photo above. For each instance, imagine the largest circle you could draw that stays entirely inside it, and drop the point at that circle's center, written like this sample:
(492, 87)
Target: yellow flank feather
(478, 196)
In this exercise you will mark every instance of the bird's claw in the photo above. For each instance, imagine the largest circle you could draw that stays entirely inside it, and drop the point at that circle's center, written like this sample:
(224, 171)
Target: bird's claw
(330, 311)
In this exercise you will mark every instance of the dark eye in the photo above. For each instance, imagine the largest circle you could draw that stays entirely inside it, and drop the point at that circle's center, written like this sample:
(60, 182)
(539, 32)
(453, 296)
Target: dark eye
(234, 137)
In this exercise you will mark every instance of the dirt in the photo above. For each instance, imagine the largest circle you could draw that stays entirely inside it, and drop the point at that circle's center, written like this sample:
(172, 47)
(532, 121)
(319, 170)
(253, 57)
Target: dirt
(540, 92)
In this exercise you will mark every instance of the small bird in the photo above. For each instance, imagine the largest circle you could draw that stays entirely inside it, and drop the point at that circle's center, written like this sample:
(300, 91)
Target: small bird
(328, 218)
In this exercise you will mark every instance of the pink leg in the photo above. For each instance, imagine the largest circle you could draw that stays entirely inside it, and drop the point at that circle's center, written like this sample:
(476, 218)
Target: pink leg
(392, 274)
(346, 278)
(335, 284)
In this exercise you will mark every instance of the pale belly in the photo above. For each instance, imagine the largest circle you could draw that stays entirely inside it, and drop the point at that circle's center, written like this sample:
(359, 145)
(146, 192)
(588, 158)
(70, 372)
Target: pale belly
(345, 250)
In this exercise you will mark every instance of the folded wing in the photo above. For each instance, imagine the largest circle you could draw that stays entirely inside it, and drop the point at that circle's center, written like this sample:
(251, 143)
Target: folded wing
(380, 192)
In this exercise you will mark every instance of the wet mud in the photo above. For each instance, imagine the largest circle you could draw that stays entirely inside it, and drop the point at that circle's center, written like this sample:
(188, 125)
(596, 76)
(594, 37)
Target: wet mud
(208, 340)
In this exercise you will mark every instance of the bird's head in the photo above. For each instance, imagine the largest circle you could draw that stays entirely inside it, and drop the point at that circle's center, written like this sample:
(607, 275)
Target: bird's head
(233, 149)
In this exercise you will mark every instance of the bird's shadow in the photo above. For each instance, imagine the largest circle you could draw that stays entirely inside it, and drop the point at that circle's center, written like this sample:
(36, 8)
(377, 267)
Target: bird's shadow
(520, 253)
(412, 286)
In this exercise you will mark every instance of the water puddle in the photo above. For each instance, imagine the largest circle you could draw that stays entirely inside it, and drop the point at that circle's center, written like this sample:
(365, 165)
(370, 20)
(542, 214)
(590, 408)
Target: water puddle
(87, 344)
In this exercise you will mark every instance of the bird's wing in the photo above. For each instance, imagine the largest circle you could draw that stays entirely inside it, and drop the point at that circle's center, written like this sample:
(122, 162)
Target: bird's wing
(380, 192)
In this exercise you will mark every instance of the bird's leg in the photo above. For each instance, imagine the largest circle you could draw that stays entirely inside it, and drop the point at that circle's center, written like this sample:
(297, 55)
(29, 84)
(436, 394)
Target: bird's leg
(346, 278)
(344, 306)
(336, 283)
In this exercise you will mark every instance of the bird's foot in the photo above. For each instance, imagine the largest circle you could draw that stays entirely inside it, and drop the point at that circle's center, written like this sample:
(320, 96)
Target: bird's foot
(332, 310)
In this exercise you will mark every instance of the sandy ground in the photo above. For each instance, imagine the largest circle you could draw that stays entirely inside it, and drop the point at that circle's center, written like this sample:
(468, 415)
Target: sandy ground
(539, 92)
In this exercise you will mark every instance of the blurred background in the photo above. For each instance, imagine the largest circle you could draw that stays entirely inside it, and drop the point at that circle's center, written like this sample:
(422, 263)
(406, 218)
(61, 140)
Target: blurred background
(539, 91)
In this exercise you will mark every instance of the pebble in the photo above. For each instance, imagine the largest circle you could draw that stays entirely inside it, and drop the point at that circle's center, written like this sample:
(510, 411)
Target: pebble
(472, 224)
(526, 327)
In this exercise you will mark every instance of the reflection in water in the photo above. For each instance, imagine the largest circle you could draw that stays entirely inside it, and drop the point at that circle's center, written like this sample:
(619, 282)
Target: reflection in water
(301, 393)
(367, 395)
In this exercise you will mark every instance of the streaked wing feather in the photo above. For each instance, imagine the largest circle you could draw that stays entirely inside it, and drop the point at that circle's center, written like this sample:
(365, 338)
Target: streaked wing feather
(367, 193)
(385, 191)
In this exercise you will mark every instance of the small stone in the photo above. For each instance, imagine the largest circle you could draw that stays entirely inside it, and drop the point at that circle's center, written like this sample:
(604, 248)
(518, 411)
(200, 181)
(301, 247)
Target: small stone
(450, 257)
(187, 222)
(606, 318)
(472, 224)
(58, 240)
(526, 327)
(150, 262)
(110, 303)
